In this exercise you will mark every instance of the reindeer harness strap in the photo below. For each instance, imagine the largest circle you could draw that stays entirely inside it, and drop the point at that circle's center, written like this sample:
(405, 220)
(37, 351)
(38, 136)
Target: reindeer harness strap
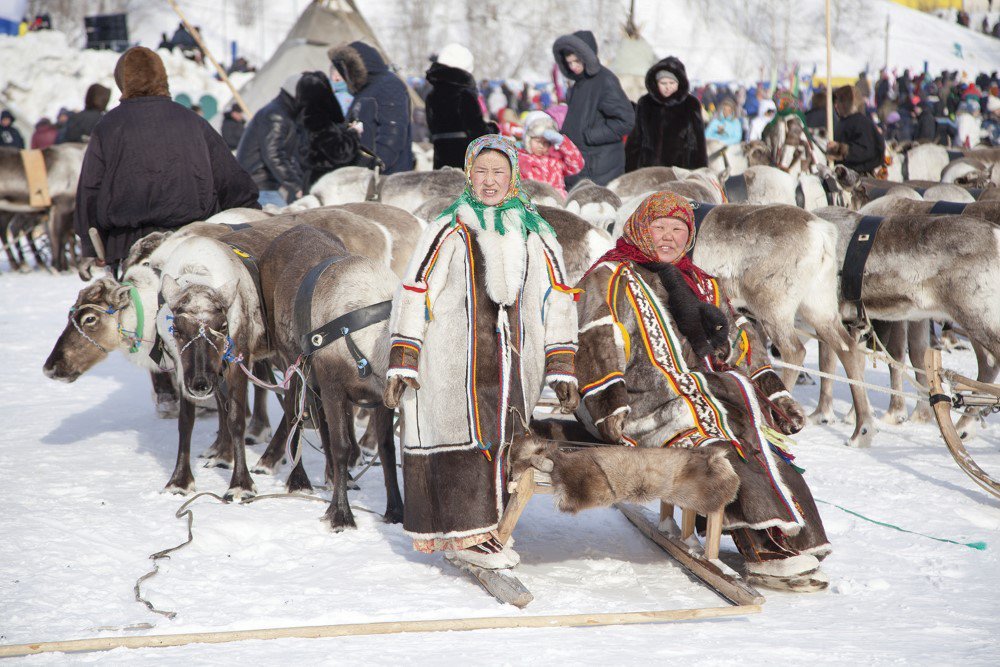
(852, 273)
(736, 188)
(701, 211)
(948, 208)
(311, 340)
(250, 264)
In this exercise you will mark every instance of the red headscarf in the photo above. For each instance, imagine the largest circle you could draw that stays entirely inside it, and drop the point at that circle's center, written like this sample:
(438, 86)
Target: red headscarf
(636, 242)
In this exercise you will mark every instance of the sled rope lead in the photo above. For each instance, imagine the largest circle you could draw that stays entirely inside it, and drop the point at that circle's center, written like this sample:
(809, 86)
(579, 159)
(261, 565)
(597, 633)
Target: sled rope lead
(979, 546)
(184, 511)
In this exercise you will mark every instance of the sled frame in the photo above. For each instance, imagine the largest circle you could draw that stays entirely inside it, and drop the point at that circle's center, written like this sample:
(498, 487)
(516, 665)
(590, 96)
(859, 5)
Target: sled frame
(700, 563)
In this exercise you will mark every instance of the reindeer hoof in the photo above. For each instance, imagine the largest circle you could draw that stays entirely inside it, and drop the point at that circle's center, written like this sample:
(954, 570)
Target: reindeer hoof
(237, 494)
(167, 407)
(862, 439)
(339, 519)
(922, 415)
(216, 462)
(393, 515)
(178, 489)
(893, 418)
(257, 436)
(262, 468)
(822, 417)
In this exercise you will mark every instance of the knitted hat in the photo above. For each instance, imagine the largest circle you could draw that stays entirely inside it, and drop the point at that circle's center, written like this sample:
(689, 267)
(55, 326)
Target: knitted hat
(666, 74)
(457, 56)
(536, 122)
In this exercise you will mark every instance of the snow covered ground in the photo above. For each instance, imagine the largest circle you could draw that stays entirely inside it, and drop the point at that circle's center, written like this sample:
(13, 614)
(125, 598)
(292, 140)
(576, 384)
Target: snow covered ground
(82, 465)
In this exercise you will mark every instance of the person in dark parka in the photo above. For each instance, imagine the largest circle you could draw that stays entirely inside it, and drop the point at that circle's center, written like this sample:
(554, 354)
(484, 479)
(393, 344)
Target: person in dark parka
(857, 143)
(381, 104)
(269, 148)
(152, 165)
(81, 125)
(10, 136)
(599, 115)
(669, 127)
(233, 126)
(454, 116)
(328, 143)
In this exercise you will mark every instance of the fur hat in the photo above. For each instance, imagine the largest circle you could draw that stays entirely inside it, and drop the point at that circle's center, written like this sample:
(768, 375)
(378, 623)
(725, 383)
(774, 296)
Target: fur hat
(457, 56)
(843, 98)
(97, 97)
(140, 73)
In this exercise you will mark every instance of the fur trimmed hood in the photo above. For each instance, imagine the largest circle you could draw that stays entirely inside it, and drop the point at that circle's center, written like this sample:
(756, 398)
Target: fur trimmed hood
(318, 108)
(357, 62)
(583, 44)
(140, 73)
(675, 67)
(847, 101)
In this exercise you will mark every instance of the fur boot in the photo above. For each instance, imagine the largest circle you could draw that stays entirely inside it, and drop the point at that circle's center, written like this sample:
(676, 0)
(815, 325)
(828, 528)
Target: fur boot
(797, 574)
(487, 557)
(699, 479)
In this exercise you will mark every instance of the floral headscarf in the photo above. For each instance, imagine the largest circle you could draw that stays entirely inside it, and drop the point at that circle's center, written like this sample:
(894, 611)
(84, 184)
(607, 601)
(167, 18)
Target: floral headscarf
(514, 200)
(636, 242)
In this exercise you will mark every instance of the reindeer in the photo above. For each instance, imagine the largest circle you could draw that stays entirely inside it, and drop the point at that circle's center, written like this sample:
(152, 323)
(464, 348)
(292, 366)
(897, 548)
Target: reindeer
(350, 283)
(410, 189)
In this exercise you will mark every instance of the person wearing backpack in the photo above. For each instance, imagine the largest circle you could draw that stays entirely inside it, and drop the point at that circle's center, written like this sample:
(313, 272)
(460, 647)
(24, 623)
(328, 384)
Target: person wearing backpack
(857, 144)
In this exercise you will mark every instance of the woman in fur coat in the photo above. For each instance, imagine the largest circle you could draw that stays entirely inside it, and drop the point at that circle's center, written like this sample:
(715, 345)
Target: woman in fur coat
(454, 117)
(330, 143)
(482, 320)
(669, 127)
(641, 385)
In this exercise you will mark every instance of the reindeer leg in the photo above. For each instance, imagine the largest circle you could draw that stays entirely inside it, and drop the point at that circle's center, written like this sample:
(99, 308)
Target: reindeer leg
(182, 481)
(164, 394)
(792, 351)
(259, 429)
(382, 419)
(336, 444)
(918, 338)
(824, 408)
(969, 423)
(846, 349)
(894, 335)
(220, 453)
(241, 486)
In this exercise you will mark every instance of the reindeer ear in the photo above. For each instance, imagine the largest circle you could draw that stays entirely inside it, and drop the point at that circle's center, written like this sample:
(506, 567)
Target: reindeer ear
(170, 290)
(119, 297)
(228, 291)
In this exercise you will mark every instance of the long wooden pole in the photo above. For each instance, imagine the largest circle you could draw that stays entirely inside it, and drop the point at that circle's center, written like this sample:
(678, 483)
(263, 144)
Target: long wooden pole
(386, 628)
(218, 68)
(829, 83)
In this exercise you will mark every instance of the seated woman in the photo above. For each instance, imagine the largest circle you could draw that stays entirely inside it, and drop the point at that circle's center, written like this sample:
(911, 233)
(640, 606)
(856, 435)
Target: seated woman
(483, 318)
(641, 385)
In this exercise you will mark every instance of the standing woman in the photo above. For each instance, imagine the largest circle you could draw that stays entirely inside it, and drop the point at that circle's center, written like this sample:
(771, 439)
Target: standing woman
(454, 117)
(482, 320)
(329, 143)
(669, 126)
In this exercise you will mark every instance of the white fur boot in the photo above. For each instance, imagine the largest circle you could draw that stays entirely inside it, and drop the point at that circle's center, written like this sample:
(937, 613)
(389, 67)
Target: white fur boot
(504, 559)
(798, 574)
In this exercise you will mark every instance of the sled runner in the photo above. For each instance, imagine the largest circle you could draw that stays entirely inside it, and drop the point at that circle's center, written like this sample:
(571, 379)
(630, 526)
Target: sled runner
(681, 545)
(985, 396)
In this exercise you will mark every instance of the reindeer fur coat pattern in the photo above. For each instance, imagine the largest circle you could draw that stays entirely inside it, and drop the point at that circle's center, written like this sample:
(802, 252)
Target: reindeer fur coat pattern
(479, 317)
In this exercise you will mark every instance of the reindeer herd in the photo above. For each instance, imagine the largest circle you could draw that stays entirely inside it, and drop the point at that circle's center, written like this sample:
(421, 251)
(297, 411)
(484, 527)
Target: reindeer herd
(221, 304)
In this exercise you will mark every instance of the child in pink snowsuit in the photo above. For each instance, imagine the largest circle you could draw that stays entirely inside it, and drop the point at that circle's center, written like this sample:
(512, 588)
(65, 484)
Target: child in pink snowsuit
(547, 156)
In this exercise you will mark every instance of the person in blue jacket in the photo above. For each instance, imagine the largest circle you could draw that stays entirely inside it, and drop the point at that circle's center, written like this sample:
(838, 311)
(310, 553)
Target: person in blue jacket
(725, 126)
(380, 110)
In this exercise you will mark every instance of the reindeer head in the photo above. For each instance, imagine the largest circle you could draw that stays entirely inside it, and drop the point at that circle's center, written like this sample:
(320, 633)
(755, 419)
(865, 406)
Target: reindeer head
(757, 153)
(143, 248)
(91, 332)
(200, 327)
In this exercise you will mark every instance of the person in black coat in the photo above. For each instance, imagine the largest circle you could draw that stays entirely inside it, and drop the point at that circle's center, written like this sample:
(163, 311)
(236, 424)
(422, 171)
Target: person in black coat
(81, 124)
(10, 137)
(454, 117)
(233, 126)
(925, 127)
(269, 149)
(152, 165)
(857, 143)
(599, 114)
(328, 143)
(669, 127)
(381, 106)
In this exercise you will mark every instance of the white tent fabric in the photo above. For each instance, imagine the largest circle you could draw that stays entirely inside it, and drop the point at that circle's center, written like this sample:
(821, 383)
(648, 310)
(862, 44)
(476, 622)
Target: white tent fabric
(323, 24)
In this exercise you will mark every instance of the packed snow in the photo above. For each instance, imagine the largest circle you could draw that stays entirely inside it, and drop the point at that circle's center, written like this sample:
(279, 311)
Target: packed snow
(84, 464)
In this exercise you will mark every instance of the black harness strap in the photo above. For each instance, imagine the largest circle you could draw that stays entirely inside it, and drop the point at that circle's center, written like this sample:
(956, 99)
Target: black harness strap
(239, 226)
(736, 188)
(250, 264)
(701, 211)
(948, 207)
(852, 274)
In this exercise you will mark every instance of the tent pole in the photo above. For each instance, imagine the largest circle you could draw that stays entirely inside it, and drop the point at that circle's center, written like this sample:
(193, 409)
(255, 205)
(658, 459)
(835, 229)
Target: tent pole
(218, 68)
(829, 82)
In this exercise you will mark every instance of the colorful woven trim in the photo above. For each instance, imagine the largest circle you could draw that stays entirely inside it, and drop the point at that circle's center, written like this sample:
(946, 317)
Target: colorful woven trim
(602, 384)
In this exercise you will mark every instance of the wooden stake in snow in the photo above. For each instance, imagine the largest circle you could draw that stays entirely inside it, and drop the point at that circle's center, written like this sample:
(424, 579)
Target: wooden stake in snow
(218, 68)
(829, 85)
(385, 628)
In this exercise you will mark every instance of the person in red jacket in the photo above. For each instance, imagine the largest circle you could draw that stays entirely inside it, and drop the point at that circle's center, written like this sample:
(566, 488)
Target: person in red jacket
(45, 134)
(547, 156)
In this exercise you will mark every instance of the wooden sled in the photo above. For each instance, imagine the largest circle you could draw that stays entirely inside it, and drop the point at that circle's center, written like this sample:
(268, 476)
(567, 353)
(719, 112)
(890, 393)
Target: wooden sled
(702, 563)
(984, 395)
